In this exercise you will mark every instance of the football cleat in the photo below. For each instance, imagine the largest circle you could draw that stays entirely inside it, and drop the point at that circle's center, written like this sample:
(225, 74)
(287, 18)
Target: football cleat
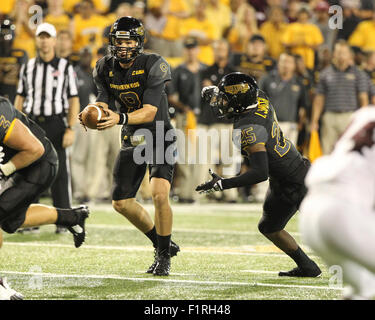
(7, 293)
(311, 272)
(152, 267)
(163, 264)
(173, 249)
(78, 230)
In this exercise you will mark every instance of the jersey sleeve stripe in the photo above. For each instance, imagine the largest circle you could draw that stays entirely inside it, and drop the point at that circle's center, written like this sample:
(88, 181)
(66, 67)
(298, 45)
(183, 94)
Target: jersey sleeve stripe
(9, 131)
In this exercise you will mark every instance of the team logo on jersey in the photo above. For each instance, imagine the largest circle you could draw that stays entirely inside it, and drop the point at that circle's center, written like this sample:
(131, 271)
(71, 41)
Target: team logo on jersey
(237, 88)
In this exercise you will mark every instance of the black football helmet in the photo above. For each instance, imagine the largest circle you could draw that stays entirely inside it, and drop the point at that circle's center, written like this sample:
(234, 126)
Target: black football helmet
(126, 28)
(235, 93)
(7, 34)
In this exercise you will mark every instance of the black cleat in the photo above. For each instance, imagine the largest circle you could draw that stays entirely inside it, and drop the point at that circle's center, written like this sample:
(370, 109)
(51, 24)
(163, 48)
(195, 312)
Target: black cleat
(311, 272)
(173, 249)
(78, 230)
(163, 264)
(152, 267)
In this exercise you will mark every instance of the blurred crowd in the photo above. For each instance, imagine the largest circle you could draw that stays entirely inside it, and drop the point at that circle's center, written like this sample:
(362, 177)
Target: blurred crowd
(316, 64)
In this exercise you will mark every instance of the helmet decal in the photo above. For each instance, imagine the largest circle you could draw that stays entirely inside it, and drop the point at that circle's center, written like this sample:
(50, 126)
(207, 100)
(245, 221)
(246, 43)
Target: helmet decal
(237, 88)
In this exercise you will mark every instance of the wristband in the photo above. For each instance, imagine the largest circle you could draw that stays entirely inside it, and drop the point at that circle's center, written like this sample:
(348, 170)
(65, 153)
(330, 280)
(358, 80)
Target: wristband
(8, 168)
(123, 118)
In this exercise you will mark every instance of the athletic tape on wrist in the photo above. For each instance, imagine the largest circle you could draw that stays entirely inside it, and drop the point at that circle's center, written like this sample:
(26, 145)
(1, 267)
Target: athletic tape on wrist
(8, 168)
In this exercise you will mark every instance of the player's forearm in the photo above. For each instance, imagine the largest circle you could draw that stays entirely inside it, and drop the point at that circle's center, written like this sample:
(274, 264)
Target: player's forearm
(363, 99)
(256, 174)
(18, 102)
(25, 158)
(144, 115)
(317, 108)
(73, 111)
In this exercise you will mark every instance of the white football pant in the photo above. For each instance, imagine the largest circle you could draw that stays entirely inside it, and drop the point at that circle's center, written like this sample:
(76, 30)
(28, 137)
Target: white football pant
(343, 234)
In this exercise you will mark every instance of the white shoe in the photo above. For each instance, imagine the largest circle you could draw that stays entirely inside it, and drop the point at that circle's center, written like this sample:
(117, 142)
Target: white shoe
(7, 293)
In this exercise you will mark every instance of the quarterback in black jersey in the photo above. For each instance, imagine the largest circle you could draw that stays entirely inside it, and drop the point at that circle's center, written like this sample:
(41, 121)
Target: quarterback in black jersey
(134, 83)
(271, 155)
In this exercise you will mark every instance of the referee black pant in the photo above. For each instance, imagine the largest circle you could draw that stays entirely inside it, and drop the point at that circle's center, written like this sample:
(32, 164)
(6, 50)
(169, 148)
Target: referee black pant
(55, 127)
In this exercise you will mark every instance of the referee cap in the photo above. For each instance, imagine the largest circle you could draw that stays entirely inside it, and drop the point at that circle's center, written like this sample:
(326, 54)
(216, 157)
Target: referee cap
(47, 28)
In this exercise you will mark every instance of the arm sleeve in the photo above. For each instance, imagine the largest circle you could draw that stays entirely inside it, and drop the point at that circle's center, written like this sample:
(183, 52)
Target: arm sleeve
(257, 173)
(21, 89)
(362, 82)
(252, 135)
(153, 95)
(321, 87)
(159, 73)
(172, 85)
(103, 95)
(72, 82)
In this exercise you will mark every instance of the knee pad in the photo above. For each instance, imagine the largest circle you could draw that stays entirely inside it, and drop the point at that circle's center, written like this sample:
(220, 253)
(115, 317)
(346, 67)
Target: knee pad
(265, 227)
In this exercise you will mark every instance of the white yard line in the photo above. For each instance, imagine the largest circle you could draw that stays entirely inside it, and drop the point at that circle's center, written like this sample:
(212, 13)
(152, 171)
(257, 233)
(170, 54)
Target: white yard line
(224, 283)
(259, 271)
(200, 250)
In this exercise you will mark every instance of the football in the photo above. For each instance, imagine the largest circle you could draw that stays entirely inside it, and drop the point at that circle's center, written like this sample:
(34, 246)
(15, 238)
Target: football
(92, 114)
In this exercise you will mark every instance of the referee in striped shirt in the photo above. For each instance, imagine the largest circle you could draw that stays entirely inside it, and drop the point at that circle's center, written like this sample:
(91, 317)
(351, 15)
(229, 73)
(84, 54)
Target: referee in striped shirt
(47, 93)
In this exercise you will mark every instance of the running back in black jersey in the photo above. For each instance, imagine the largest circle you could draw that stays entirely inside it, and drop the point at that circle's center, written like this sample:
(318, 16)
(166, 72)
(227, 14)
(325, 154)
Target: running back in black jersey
(129, 89)
(8, 115)
(260, 126)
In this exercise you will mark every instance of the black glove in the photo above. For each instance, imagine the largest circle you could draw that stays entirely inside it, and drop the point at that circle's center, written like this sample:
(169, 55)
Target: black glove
(215, 184)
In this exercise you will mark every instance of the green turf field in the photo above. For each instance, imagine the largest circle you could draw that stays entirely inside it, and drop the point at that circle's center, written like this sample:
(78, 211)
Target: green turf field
(223, 256)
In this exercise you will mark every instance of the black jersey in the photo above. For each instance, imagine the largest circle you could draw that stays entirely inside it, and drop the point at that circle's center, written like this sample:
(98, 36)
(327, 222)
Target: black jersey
(8, 116)
(129, 89)
(260, 126)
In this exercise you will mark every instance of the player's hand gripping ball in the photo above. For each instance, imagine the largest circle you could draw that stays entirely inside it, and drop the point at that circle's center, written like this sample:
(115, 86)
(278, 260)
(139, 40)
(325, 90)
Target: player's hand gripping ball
(92, 115)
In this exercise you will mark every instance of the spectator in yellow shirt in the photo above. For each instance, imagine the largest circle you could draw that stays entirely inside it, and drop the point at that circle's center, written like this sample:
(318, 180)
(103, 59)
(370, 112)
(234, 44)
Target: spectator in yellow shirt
(163, 22)
(7, 6)
(303, 38)
(244, 28)
(364, 35)
(199, 27)
(275, 25)
(58, 17)
(220, 15)
(88, 27)
(71, 6)
(25, 36)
